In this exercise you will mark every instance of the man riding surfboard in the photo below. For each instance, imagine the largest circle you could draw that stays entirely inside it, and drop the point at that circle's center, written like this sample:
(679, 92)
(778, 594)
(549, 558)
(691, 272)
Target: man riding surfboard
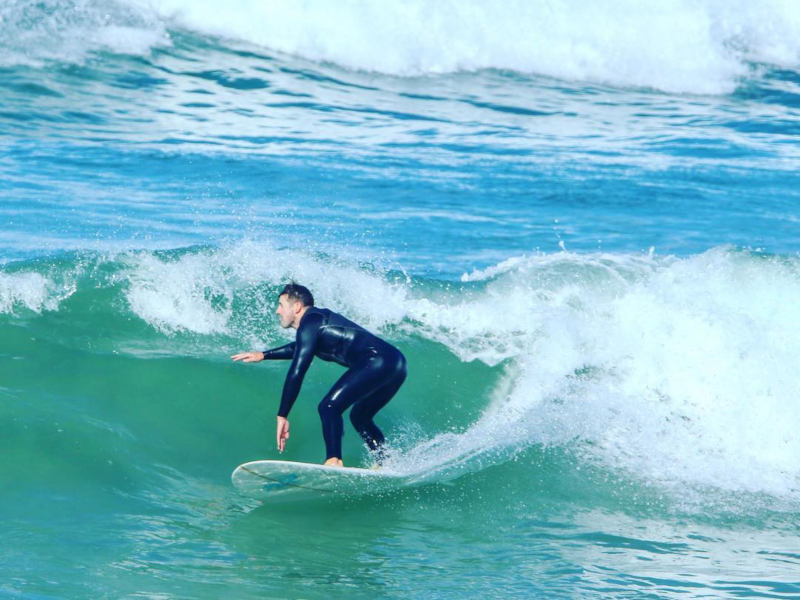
(375, 371)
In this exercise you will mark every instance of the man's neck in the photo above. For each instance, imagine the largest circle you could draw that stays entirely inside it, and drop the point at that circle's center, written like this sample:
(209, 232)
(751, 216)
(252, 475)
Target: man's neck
(300, 316)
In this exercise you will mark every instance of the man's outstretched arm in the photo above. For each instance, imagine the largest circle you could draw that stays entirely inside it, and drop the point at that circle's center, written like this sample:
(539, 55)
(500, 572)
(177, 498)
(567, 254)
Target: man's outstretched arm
(281, 353)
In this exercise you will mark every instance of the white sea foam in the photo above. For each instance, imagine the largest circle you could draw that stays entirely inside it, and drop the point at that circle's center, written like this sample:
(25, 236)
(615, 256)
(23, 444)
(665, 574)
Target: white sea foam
(29, 290)
(69, 30)
(196, 292)
(682, 46)
(678, 371)
(187, 294)
(704, 46)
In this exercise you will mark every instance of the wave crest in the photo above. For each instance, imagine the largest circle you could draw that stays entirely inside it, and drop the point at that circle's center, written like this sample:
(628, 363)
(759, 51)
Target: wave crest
(697, 47)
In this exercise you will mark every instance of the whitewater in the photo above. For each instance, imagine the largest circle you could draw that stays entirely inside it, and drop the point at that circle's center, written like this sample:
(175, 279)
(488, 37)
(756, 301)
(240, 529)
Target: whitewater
(579, 224)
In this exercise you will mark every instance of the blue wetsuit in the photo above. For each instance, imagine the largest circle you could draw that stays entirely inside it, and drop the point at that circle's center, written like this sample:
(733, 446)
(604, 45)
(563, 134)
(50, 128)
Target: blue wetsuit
(375, 371)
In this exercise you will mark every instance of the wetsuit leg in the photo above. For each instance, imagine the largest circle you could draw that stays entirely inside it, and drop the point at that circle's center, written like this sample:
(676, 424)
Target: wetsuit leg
(354, 384)
(360, 383)
(364, 410)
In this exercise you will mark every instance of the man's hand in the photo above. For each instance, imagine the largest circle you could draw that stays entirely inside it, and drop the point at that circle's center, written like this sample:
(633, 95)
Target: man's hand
(283, 433)
(248, 357)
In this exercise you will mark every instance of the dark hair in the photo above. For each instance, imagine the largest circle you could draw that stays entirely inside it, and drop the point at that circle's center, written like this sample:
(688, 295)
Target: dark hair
(299, 293)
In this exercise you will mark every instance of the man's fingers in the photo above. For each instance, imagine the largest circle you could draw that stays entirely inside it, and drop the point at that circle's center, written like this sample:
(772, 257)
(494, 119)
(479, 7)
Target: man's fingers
(282, 434)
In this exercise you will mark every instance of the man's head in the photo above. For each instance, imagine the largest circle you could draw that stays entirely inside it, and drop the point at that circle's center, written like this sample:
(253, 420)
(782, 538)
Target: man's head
(293, 301)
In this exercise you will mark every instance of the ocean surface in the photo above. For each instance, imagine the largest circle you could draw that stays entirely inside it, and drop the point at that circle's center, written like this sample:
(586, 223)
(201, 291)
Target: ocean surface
(579, 221)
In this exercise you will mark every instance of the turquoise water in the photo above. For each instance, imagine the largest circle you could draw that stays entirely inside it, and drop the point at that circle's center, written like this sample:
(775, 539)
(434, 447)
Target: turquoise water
(579, 224)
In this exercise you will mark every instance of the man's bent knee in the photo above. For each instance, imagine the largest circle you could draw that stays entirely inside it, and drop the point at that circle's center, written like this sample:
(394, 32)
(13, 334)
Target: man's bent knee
(327, 409)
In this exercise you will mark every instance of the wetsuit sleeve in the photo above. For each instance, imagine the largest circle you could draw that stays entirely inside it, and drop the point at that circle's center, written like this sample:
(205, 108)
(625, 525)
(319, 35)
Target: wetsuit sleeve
(281, 353)
(303, 355)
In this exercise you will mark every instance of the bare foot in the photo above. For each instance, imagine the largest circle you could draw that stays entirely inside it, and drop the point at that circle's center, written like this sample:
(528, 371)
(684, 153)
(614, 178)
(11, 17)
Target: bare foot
(334, 462)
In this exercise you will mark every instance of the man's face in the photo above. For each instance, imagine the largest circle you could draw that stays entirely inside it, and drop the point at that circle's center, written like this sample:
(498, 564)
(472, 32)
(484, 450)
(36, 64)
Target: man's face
(287, 310)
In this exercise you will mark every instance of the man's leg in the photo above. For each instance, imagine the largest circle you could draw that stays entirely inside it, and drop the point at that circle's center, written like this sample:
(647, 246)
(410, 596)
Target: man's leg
(353, 385)
(376, 381)
(365, 409)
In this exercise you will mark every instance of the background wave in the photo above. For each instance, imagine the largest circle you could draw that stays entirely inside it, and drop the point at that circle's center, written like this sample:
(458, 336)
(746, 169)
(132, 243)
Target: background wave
(698, 47)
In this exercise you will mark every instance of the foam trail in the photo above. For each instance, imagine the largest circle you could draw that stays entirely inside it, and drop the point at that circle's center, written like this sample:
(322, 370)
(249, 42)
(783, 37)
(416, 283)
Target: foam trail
(677, 371)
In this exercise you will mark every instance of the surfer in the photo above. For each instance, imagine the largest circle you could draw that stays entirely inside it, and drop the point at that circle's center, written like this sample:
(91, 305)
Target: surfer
(375, 370)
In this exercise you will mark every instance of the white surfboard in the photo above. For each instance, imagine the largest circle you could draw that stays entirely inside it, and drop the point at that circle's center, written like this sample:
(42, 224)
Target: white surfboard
(278, 479)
